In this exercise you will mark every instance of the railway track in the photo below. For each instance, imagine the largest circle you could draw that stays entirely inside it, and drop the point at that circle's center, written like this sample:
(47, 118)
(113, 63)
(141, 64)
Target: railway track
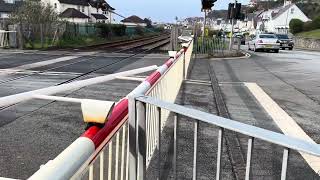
(158, 42)
(152, 43)
(235, 152)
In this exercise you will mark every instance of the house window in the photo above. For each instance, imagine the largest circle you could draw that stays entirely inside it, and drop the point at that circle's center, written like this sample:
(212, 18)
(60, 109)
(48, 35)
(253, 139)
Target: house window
(82, 8)
(292, 10)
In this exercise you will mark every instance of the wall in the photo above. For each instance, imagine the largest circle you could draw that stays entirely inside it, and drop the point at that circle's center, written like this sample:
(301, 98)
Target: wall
(307, 43)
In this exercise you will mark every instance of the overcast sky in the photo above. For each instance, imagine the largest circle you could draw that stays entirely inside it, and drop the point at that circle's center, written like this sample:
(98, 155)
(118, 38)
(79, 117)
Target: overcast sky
(164, 10)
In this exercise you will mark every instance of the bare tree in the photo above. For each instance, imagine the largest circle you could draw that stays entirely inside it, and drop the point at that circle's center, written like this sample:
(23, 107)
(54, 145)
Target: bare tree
(34, 19)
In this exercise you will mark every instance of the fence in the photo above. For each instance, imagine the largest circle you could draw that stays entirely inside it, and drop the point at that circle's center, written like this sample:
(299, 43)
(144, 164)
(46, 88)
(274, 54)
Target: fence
(142, 113)
(210, 46)
(111, 141)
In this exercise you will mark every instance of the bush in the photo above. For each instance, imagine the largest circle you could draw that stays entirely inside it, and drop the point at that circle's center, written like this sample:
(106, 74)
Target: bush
(139, 30)
(107, 30)
(296, 26)
(316, 23)
(118, 29)
(211, 33)
(103, 30)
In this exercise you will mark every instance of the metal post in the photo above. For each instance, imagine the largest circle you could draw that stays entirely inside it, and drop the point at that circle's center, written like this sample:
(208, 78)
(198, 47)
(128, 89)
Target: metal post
(249, 157)
(231, 34)
(141, 140)
(232, 26)
(220, 147)
(159, 141)
(102, 165)
(175, 142)
(285, 161)
(184, 65)
(131, 148)
(195, 149)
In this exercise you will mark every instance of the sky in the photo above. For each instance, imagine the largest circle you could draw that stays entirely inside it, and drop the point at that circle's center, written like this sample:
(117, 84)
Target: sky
(164, 10)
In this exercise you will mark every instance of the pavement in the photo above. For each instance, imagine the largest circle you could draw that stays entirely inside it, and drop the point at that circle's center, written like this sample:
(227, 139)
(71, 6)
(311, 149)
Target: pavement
(36, 131)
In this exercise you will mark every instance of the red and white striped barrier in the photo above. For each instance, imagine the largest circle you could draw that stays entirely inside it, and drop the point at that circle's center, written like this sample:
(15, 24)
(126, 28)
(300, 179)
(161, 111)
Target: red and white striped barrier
(65, 165)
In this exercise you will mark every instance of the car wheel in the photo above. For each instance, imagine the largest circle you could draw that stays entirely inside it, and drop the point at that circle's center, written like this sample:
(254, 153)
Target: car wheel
(255, 49)
(283, 48)
(291, 48)
(276, 50)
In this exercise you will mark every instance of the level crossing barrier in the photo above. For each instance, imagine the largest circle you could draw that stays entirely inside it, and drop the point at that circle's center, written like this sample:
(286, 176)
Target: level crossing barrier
(106, 148)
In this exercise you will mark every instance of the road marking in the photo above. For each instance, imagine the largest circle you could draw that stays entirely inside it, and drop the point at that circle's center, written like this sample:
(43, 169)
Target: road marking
(287, 124)
(38, 64)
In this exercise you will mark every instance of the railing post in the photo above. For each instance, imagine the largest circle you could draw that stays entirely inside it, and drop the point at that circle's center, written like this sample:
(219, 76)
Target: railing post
(285, 161)
(219, 154)
(132, 127)
(175, 142)
(195, 149)
(141, 140)
(249, 157)
(159, 141)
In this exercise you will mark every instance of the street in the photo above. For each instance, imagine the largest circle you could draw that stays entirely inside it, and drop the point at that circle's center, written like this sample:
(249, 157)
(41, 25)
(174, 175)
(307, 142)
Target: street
(36, 131)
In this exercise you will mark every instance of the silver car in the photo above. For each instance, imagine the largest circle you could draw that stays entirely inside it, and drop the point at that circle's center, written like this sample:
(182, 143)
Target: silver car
(266, 42)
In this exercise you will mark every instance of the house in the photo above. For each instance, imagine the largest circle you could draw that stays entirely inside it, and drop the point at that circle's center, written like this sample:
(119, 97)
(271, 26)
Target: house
(277, 20)
(77, 11)
(134, 21)
(81, 11)
(7, 7)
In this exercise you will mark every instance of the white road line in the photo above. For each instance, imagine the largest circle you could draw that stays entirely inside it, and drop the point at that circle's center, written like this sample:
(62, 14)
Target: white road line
(287, 124)
(38, 64)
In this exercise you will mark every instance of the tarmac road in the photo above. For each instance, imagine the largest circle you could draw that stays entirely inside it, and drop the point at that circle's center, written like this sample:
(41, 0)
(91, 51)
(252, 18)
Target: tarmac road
(36, 131)
(291, 79)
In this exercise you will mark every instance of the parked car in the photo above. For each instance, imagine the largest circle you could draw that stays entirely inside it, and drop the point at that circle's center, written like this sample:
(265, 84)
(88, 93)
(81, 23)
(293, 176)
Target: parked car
(241, 37)
(285, 41)
(266, 42)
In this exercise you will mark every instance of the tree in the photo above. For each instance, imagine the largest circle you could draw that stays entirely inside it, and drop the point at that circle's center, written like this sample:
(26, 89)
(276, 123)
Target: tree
(296, 26)
(36, 17)
(148, 22)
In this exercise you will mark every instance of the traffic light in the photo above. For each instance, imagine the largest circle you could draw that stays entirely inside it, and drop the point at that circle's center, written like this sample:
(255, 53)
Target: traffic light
(234, 11)
(207, 4)
(237, 14)
(231, 11)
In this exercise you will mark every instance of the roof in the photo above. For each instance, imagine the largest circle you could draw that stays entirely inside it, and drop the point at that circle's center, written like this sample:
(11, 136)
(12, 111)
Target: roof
(75, 2)
(8, 7)
(107, 6)
(99, 16)
(73, 13)
(282, 10)
(133, 19)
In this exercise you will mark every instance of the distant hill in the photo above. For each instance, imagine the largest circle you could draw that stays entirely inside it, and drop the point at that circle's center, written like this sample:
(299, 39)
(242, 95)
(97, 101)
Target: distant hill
(215, 14)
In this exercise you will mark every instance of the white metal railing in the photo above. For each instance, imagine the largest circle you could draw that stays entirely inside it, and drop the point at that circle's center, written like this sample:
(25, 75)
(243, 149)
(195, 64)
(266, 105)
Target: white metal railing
(115, 150)
(141, 109)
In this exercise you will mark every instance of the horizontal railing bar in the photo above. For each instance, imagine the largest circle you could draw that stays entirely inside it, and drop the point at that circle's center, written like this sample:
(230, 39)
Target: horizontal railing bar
(251, 131)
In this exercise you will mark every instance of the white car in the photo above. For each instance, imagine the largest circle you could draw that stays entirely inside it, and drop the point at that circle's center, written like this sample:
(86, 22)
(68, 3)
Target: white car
(264, 42)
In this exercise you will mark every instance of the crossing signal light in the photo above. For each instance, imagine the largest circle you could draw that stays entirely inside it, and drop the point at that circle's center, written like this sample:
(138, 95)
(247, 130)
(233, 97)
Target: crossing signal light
(230, 10)
(234, 11)
(238, 11)
(207, 4)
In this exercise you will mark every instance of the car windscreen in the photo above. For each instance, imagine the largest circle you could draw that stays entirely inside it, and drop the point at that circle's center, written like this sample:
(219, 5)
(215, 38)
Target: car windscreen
(267, 36)
(282, 36)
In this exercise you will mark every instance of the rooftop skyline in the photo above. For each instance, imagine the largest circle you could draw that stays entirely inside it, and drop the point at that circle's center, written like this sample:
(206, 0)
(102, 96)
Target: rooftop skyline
(164, 10)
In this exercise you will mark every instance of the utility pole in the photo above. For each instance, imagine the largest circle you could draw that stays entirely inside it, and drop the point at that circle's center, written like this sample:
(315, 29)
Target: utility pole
(232, 25)
(204, 26)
